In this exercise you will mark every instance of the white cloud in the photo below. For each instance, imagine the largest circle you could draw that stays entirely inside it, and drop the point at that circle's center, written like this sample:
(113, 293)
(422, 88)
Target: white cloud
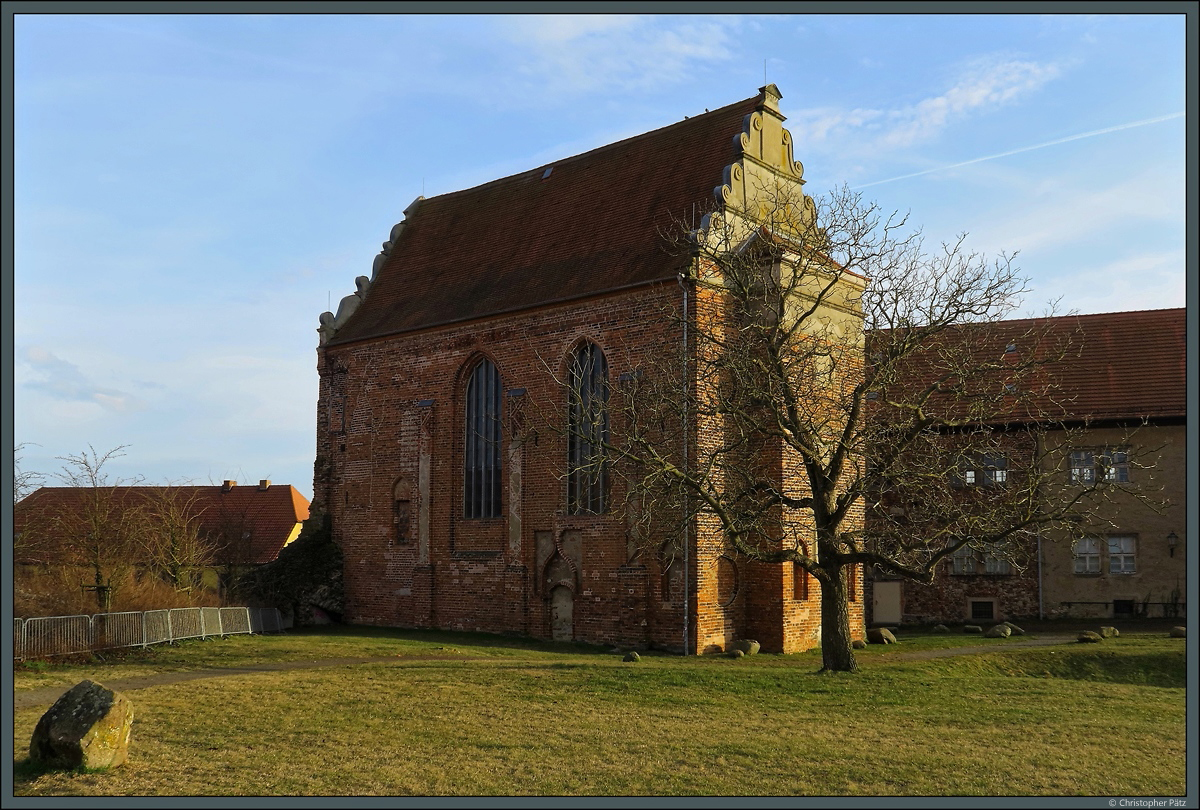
(63, 381)
(615, 54)
(1059, 213)
(984, 85)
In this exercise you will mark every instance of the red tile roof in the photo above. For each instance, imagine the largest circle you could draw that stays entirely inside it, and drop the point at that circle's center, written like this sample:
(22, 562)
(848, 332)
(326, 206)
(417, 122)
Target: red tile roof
(577, 227)
(270, 515)
(1130, 364)
(1117, 365)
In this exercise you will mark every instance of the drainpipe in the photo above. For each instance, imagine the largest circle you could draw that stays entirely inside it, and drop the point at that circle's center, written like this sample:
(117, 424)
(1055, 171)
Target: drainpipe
(686, 592)
(1041, 564)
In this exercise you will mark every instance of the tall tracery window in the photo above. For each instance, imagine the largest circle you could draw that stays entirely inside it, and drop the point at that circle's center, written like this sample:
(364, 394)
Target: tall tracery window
(587, 431)
(481, 456)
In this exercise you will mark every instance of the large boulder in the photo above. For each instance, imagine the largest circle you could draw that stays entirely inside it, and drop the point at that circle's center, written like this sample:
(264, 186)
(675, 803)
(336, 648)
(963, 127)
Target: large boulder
(747, 645)
(1179, 631)
(1090, 637)
(89, 727)
(941, 628)
(972, 628)
(1016, 631)
(999, 631)
(1109, 632)
(880, 635)
(631, 657)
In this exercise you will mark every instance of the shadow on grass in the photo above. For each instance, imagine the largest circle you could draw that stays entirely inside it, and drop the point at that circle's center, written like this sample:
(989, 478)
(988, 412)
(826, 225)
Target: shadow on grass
(27, 770)
(455, 638)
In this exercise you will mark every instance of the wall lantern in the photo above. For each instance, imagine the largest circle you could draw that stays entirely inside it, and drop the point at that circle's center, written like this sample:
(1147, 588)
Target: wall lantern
(1172, 539)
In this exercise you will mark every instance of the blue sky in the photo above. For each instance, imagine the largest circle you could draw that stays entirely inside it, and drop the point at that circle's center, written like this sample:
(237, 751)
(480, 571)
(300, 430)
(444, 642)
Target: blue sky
(191, 192)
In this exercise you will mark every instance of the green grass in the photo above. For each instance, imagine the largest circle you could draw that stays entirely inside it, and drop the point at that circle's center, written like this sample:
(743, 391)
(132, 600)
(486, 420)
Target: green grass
(454, 714)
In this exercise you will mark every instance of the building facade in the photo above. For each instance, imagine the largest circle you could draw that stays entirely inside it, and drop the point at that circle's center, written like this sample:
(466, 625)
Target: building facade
(466, 384)
(1123, 393)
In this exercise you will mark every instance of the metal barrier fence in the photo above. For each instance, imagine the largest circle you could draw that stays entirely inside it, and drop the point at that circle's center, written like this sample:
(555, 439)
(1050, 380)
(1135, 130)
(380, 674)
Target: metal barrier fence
(62, 635)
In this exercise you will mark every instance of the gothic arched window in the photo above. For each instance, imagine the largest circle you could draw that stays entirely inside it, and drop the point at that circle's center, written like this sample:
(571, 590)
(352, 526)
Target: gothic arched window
(587, 431)
(481, 450)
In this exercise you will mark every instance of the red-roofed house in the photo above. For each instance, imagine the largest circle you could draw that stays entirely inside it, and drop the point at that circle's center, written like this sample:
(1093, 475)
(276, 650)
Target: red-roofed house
(1125, 380)
(451, 511)
(243, 526)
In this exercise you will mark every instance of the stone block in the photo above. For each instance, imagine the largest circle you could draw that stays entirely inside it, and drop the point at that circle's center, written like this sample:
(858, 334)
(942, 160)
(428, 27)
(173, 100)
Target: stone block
(880, 635)
(90, 726)
(747, 645)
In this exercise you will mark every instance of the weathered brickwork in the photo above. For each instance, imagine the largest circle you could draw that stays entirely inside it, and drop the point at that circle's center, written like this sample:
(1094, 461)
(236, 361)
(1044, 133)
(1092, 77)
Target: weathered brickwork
(516, 275)
(390, 407)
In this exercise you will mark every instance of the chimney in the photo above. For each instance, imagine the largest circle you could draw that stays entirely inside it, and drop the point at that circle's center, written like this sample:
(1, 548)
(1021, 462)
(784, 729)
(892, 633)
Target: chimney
(228, 485)
(264, 484)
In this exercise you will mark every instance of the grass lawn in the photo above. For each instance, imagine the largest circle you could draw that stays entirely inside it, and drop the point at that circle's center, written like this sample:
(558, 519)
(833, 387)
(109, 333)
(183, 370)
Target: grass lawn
(466, 715)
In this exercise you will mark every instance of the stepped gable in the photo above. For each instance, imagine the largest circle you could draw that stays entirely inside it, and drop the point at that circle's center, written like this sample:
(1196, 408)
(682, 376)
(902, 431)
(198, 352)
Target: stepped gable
(577, 227)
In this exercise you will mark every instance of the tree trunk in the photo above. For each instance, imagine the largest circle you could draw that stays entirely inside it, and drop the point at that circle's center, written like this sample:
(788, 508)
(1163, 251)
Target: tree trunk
(836, 653)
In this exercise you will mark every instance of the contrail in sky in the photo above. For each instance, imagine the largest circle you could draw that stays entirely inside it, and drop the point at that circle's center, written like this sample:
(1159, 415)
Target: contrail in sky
(1030, 148)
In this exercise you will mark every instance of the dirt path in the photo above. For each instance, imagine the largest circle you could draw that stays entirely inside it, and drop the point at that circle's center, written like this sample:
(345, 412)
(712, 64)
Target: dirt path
(33, 698)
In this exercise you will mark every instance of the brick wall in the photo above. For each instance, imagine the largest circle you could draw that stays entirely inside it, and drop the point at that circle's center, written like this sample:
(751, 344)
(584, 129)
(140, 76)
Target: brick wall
(390, 474)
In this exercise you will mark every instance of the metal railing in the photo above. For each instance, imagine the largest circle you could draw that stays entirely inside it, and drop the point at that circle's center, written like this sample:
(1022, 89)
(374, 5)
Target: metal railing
(45, 636)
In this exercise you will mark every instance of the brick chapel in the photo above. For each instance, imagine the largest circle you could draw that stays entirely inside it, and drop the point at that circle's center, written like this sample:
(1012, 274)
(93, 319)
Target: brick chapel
(451, 511)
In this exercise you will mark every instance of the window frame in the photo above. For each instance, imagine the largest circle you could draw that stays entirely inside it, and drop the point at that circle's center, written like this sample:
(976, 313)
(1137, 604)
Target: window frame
(482, 433)
(1085, 554)
(587, 430)
(1122, 547)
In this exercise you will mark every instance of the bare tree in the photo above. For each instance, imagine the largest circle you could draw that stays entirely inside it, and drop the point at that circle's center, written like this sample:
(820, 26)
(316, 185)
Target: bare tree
(103, 529)
(24, 481)
(173, 543)
(840, 390)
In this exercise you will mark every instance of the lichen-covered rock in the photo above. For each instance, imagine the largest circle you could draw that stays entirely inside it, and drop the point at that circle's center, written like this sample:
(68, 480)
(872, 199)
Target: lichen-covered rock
(880, 635)
(632, 656)
(1179, 631)
(89, 726)
(972, 628)
(736, 654)
(858, 644)
(1090, 636)
(999, 631)
(1016, 631)
(747, 645)
(1109, 632)
(941, 628)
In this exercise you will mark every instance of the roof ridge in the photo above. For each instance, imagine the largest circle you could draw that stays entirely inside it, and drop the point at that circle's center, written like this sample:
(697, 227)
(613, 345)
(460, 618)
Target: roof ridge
(597, 150)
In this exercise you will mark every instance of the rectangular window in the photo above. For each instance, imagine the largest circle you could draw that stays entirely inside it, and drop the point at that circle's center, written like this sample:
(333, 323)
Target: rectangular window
(1116, 465)
(981, 609)
(1087, 555)
(1083, 467)
(1121, 555)
(995, 565)
(995, 469)
(963, 561)
(988, 470)
(1104, 463)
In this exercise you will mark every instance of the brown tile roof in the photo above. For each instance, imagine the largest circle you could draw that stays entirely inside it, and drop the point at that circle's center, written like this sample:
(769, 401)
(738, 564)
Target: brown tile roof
(593, 225)
(1116, 365)
(1128, 364)
(269, 515)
